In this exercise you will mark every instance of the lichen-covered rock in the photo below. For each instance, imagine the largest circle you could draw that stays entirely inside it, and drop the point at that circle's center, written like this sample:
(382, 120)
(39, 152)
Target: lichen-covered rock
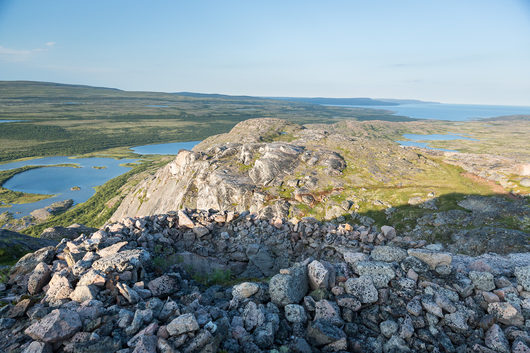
(162, 286)
(522, 274)
(363, 288)
(318, 275)
(482, 280)
(122, 261)
(57, 326)
(182, 324)
(388, 253)
(290, 287)
(506, 313)
(380, 272)
(39, 278)
(496, 340)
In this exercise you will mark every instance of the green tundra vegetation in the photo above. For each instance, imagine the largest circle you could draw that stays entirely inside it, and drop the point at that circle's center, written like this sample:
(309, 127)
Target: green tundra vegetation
(89, 121)
(70, 120)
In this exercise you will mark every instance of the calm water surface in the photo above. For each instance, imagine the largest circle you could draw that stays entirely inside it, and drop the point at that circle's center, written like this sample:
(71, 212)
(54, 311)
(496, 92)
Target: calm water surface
(452, 112)
(416, 140)
(58, 180)
(165, 148)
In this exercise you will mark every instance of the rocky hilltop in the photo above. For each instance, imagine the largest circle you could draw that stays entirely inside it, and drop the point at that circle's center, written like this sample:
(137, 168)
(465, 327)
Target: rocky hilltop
(274, 168)
(165, 283)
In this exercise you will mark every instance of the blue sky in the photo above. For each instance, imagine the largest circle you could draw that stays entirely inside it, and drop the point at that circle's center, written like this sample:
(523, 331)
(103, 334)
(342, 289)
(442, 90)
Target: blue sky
(450, 51)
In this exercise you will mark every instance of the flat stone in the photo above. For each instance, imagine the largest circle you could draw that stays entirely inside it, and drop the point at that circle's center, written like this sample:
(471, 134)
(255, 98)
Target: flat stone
(432, 258)
(388, 232)
(111, 250)
(19, 309)
(349, 302)
(353, 257)
(200, 231)
(123, 261)
(245, 290)
(183, 324)
(388, 253)
(57, 326)
(457, 321)
(92, 277)
(83, 293)
(363, 288)
(430, 306)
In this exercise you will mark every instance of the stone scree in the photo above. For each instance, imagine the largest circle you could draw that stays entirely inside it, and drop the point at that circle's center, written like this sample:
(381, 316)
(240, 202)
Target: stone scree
(317, 287)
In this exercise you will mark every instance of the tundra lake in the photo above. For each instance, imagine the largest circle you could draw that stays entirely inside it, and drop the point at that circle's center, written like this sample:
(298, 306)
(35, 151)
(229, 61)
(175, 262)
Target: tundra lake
(87, 174)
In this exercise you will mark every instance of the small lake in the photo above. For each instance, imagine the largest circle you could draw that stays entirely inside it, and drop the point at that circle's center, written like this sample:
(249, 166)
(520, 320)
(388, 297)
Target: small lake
(451, 112)
(58, 181)
(417, 140)
(9, 121)
(165, 148)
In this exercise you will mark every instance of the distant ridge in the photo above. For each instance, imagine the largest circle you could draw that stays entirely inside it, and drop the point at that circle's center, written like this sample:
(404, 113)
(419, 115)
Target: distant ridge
(338, 101)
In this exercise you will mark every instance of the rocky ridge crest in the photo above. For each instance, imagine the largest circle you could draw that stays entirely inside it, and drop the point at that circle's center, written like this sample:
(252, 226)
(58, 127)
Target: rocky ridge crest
(132, 287)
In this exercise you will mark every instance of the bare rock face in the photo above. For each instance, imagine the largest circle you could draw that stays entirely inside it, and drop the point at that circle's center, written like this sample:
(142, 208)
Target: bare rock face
(242, 171)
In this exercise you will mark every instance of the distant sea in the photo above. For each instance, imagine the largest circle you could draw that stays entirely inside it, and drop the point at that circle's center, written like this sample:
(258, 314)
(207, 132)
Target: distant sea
(452, 112)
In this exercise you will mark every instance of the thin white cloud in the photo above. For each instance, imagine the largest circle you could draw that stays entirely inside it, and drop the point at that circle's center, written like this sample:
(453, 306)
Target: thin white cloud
(16, 55)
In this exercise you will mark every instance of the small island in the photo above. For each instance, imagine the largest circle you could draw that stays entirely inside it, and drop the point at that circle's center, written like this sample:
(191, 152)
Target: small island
(75, 188)
(99, 167)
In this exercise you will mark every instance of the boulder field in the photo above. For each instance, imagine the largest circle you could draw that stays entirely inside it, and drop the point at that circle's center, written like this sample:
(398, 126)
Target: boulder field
(208, 281)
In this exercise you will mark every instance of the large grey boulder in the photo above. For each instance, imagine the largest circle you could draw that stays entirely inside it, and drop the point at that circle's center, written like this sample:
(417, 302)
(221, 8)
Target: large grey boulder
(432, 258)
(39, 278)
(57, 326)
(122, 261)
(380, 272)
(183, 324)
(289, 287)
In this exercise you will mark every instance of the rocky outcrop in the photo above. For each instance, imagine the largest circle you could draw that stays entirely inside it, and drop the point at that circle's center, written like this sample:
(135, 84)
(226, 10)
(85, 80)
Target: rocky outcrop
(55, 208)
(126, 288)
(269, 167)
